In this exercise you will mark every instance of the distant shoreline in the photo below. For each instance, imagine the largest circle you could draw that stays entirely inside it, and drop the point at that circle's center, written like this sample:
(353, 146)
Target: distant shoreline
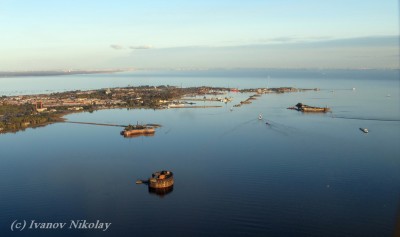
(27, 111)
(6, 74)
(54, 73)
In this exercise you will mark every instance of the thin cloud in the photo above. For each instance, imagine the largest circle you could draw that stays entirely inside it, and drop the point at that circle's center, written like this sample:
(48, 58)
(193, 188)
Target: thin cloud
(316, 52)
(281, 39)
(141, 47)
(117, 46)
(294, 39)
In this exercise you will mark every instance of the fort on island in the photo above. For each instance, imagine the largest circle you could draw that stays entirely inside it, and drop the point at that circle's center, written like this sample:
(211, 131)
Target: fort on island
(306, 108)
(136, 130)
(24, 111)
(159, 180)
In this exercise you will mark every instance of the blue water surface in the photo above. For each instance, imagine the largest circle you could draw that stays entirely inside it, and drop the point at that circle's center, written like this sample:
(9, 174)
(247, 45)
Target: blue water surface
(235, 175)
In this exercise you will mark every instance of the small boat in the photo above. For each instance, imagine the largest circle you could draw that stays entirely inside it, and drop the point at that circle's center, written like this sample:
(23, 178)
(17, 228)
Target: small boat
(364, 130)
(161, 179)
(259, 116)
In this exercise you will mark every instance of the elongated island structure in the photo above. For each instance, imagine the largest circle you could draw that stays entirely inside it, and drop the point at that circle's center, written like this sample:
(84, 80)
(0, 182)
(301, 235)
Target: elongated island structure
(24, 111)
(135, 130)
(306, 108)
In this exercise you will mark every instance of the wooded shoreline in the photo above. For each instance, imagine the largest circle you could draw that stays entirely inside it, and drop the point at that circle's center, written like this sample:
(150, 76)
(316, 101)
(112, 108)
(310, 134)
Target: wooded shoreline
(30, 111)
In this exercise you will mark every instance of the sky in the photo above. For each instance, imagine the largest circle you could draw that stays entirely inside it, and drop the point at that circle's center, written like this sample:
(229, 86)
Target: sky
(102, 34)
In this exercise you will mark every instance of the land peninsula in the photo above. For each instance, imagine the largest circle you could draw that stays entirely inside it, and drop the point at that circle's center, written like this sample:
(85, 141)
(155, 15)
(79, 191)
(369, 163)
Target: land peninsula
(24, 111)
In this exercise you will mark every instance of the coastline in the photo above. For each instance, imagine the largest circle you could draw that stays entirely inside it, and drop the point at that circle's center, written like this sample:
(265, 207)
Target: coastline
(30, 111)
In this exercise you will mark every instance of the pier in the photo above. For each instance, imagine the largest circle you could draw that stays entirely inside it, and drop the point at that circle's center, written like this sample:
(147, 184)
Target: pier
(111, 125)
(98, 124)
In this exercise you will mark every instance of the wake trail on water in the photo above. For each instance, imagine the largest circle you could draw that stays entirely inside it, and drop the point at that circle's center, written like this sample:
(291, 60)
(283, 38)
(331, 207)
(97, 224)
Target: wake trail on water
(369, 119)
(281, 128)
(237, 127)
(275, 126)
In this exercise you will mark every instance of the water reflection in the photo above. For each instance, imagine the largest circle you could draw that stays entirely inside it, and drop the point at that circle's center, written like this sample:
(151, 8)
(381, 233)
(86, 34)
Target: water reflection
(138, 135)
(396, 232)
(228, 146)
(161, 192)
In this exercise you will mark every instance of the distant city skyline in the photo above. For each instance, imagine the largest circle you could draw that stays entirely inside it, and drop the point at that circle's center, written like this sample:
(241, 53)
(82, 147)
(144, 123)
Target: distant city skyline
(54, 35)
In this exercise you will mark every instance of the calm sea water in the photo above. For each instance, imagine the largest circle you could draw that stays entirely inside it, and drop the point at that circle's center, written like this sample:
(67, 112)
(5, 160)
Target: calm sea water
(304, 175)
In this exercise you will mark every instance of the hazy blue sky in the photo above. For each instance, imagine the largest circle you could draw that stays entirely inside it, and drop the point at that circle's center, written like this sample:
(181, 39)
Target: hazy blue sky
(60, 34)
